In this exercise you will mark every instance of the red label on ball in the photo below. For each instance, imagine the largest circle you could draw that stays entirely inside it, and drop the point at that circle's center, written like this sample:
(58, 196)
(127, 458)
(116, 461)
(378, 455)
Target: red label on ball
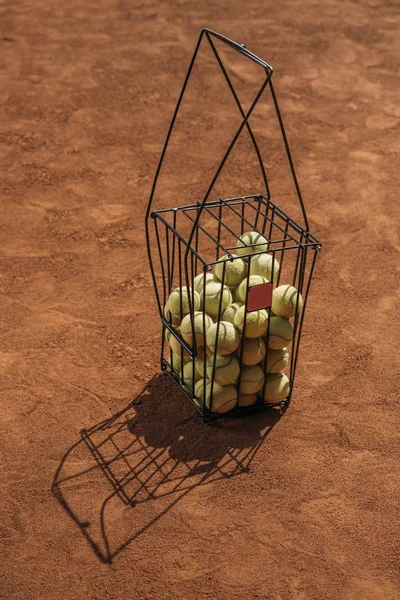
(259, 296)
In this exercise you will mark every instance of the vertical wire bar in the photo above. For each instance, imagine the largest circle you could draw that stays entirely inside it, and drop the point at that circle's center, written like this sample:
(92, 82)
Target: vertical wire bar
(271, 224)
(303, 253)
(161, 262)
(243, 218)
(297, 266)
(196, 245)
(302, 317)
(266, 212)
(282, 254)
(181, 302)
(168, 260)
(266, 341)
(219, 230)
(174, 242)
(296, 338)
(264, 218)
(164, 291)
(206, 412)
(256, 220)
(243, 333)
(193, 314)
(217, 333)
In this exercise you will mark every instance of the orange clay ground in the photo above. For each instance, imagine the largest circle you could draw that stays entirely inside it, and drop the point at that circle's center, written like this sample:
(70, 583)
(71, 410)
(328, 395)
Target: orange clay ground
(297, 506)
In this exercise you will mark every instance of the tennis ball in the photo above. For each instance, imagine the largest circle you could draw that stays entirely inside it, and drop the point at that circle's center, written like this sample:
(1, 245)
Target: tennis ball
(251, 243)
(235, 270)
(198, 281)
(226, 368)
(280, 333)
(277, 387)
(174, 360)
(212, 298)
(230, 311)
(176, 346)
(256, 322)
(200, 319)
(247, 399)
(251, 379)
(228, 338)
(262, 265)
(253, 351)
(182, 295)
(284, 299)
(277, 360)
(223, 396)
(172, 319)
(187, 374)
(241, 292)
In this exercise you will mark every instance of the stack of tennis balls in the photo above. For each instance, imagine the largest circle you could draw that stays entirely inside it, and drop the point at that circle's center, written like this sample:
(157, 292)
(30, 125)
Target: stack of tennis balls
(246, 359)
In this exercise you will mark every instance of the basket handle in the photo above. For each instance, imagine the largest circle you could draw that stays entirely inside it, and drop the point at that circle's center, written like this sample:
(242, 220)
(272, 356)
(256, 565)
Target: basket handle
(241, 48)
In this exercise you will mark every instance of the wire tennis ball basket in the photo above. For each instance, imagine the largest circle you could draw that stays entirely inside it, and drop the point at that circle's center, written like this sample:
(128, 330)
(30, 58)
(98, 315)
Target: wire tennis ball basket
(231, 277)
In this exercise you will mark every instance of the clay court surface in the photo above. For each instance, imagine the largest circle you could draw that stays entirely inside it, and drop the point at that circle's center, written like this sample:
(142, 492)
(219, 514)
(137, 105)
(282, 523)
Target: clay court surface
(295, 506)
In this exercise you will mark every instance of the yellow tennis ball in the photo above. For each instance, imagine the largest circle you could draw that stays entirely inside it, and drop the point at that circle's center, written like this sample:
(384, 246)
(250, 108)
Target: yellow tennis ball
(172, 319)
(241, 292)
(251, 379)
(212, 299)
(251, 243)
(280, 333)
(176, 346)
(223, 396)
(253, 351)
(284, 299)
(178, 301)
(256, 322)
(174, 360)
(277, 387)
(230, 311)
(277, 360)
(247, 399)
(235, 270)
(226, 368)
(200, 319)
(187, 374)
(198, 281)
(262, 265)
(228, 338)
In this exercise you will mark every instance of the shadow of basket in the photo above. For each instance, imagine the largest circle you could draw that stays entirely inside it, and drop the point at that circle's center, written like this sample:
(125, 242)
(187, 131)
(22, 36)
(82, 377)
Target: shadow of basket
(128, 471)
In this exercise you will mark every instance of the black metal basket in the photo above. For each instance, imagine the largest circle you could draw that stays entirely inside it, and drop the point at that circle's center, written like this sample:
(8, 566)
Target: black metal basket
(233, 326)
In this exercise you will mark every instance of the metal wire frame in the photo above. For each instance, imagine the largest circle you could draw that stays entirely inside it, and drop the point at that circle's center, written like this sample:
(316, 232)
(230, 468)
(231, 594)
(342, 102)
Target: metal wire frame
(183, 257)
(284, 236)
